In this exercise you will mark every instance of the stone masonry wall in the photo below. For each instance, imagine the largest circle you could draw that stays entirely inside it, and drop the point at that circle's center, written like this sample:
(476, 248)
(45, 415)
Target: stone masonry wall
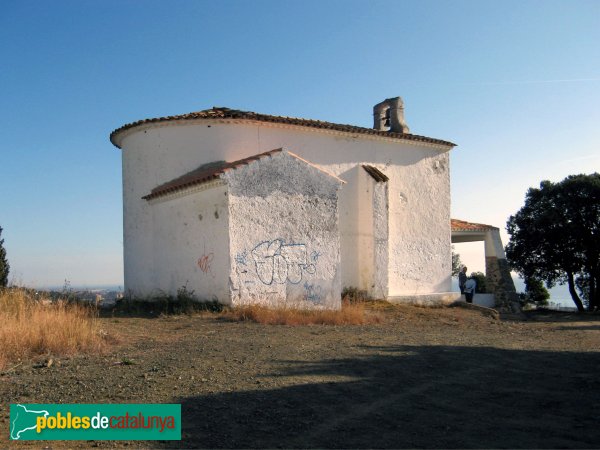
(501, 284)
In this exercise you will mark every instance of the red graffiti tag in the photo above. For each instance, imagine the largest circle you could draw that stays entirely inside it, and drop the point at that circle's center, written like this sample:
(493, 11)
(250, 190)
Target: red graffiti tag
(205, 261)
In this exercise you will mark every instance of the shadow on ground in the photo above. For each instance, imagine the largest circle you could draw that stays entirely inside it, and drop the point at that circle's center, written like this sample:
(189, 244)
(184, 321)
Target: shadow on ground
(581, 327)
(410, 396)
(548, 315)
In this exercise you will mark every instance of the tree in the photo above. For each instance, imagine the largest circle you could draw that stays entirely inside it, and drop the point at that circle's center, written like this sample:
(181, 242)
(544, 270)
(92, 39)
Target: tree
(4, 266)
(481, 280)
(456, 263)
(535, 292)
(555, 236)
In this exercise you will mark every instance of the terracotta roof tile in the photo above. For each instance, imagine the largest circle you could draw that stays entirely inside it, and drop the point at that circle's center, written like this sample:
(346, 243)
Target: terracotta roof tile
(461, 225)
(213, 171)
(226, 113)
(204, 173)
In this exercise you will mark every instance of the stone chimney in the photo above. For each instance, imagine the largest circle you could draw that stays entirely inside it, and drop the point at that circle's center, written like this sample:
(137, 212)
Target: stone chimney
(389, 116)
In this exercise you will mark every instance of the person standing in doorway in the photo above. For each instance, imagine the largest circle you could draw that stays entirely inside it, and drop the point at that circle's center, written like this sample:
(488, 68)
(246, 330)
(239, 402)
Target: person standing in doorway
(462, 279)
(470, 286)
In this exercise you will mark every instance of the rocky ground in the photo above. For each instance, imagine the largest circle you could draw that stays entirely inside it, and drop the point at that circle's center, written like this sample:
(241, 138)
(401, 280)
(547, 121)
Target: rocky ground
(426, 378)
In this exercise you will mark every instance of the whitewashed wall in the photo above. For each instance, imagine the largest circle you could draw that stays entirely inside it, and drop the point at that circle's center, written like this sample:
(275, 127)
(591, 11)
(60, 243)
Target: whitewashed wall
(380, 283)
(138, 230)
(284, 237)
(355, 230)
(364, 239)
(419, 187)
(364, 228)
(191, 245)
(420, 247)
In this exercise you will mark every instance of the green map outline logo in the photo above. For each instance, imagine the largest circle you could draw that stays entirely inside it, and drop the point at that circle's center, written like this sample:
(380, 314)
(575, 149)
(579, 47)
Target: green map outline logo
(64, 422)
(13, 422)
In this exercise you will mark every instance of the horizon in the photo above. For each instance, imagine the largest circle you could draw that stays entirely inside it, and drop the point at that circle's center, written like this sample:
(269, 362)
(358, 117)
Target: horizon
(558, 293)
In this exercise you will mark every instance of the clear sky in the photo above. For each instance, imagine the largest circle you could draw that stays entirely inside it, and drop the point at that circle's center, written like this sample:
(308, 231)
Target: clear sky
(516, 84)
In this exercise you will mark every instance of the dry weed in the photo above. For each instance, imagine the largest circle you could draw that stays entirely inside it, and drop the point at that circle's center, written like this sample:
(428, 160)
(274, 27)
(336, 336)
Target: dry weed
(349, 314)
(37, 326)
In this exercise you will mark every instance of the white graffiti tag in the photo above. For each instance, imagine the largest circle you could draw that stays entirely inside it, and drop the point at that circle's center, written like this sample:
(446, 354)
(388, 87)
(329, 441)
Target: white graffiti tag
(277, 262)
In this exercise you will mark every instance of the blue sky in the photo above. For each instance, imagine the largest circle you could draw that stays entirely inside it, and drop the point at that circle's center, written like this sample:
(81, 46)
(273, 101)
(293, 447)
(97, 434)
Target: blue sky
(516, 84)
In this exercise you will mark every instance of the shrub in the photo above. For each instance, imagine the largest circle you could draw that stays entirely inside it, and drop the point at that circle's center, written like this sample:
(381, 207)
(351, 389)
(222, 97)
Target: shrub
(481, 279)
(4, 266)
(185, 302)
(349, 314)
(34, 325)
(456, 263)
(535, 292)
(354, 295)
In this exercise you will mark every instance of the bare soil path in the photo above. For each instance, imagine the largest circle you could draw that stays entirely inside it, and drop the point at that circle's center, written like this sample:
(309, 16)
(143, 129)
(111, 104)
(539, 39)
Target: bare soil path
(424, 378)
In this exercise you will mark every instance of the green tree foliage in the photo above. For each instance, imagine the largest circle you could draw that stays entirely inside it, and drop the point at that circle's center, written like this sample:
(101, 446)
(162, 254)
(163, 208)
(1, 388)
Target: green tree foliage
(555, 237)
(456, 263)
(481, 281)
(535, 292)
(4, 266)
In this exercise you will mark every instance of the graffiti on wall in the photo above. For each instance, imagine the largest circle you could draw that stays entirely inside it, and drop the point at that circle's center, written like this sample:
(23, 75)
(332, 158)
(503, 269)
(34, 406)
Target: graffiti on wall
(313, 293)
(278, 262)
(205, 262)
(242, 258)
(314, 256)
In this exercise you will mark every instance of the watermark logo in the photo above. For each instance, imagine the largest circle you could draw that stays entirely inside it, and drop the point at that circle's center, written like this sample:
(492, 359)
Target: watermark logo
(95, 421)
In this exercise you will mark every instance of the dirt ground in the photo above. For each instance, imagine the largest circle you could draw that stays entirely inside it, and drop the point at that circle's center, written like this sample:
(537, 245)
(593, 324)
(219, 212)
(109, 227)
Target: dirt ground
(424, 378)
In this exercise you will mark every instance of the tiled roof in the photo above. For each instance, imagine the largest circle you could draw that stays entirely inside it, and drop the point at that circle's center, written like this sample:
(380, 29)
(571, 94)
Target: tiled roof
(213, 171)
(204, 173)
(461, 225)
(377, 174)
(226, 113)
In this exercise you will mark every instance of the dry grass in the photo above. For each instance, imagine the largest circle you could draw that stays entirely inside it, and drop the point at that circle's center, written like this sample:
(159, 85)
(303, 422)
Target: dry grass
(36, 326)
(350, 314)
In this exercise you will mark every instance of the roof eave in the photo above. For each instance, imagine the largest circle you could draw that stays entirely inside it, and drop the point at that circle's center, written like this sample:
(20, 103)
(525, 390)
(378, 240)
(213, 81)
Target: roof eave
(116, 136)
